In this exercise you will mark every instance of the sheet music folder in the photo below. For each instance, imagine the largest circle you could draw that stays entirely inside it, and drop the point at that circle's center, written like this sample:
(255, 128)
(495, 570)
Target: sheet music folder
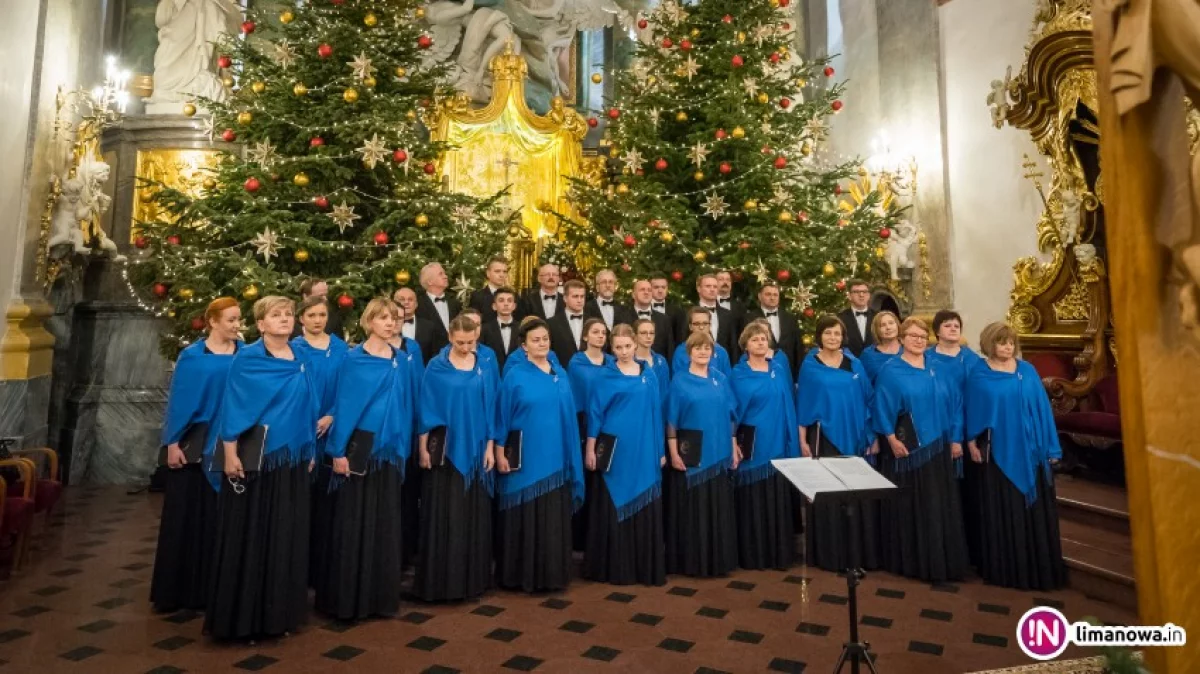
(840, 478)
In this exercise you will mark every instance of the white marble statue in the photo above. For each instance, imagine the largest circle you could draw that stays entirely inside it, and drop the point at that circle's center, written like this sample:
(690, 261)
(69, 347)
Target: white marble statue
(94, 203)
(69, 210)
(184, 64)
(1068, 220)
(904, 235)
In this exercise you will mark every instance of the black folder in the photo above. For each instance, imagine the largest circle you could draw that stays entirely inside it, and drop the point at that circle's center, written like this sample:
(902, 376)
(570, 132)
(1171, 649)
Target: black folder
(819, 443)
(436, 444)
(251, 446)
(606, 448)
(745, 438)
(906, 432)
(690, 445)
(984, 443)
(512, 449)
(358, 451)
(192, 444)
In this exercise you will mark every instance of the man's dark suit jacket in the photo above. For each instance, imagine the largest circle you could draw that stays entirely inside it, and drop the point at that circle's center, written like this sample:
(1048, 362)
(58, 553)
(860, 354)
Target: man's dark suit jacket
(726, 332)
(789, 336)
(531, 305)
(427, 312)
(424, 337)
(622, 313)
(738, 308)
(481, 301)
(562, 340)
(855, 340)
(490, 335)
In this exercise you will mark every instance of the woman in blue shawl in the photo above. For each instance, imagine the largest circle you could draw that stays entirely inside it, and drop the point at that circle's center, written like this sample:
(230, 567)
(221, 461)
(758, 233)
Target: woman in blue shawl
(700, 533)
(777, 359)
(766, 520)
(625, 530)
(260, 574)
(518, 356)
(537, 497)
(700, 320)
(584, 369)
(833, 407)
(644, 333)
(182, 562)
(886, 329)
(922, 527)
(1018, 516)
(459, 401)
(373, 415)
(410, 509)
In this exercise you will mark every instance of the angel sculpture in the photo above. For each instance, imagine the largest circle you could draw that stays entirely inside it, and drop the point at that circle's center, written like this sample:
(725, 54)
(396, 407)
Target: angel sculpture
(998, 100)
(904, 235)
(95, 203)
(69, 210)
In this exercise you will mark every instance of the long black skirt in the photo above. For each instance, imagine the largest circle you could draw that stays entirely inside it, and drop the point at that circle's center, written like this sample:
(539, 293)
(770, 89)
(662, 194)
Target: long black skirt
(580, 520)
(627, 552)
(533, 543)
(318, 558)
(701, 537)
(410, 511)
(455, 558)
(259, 582)
(971, 487)
(828, 533)
(186, 535)
(766, 526)
(922, 527)
(1019, 546)
(363, 572)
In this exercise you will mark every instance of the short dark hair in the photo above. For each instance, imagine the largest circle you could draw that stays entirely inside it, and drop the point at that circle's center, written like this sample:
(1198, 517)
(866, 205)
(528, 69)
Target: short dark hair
(307, 284)
(504, 290)
(572, 284)
(826, 322)
(945, 316)
(697, 309)
(857, 282)
(494, 259)
(529, 324)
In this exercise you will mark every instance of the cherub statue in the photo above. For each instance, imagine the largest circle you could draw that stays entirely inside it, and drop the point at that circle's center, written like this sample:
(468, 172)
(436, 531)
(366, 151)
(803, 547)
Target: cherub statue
(1068, 220)
(95, 203)
(69, 210)
(903, 237)
(998, 100)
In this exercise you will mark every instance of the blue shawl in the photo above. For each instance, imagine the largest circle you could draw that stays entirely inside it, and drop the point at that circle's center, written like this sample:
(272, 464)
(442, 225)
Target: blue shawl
(764, 401)
(487, 361)
(583, 374)
(519, 356)
(681, 361)
(278, 393)
(630, 408)
(778, 361)
(839, 400)
(662, 372)
(704, 404)
(196, 390)
(952, 380)
(542, 407)
(900, 388)
(323, 364)
(375, 394)
(464, 401)
(873, 360)
(1015, 407)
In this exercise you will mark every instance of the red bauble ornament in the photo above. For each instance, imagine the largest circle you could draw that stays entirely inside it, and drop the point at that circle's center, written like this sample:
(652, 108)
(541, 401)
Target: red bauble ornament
(324, 51)
(885, 233)
(345, 301)
(667, 43)
(197, 324)
(640, 172)
(160, 289)
(630, 242)
(809, 313)
(780, 162)
(642, 24)
(837, 189)
(424, 42)
(429, 169)
(766, 149)
(685, 45)
(784, 3)
(321, 202)
(737, 61)
(141, 242)
(593, 122)
(337, 2)
(174, 240)
(727, 19)
(316, 141)
(399, 156)
(381, 238)
(677, 276)
(745, 245)
(626, 268)
(613, 113)
(224, 61)
(843, 223)
(661, 164)
(720, 134)
(802, 216)
(783, 275)
(774, 57)
(836, 105)
(785, 25)
(828, 71)
(654, 224)
(248, 27)
(840, 285)
(785, 103)
(228, 135)
(252, 185)
(725, 168)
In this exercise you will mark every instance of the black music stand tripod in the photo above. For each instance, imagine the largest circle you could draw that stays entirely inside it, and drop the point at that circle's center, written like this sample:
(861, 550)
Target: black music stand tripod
(854, 651)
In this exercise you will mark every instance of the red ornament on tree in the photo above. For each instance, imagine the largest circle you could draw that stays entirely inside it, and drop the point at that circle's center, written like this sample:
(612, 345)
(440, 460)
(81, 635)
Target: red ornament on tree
(836, 105)
(252, 185)
(321, 202)
(837, 189)
(593, 122)
(640, 172)
(429, 169)
(783, 275)
(809, 313)
(766, 149)
(784, 3)
(197, 324)
(843, 222)
(630, 242)
(160, 289)
(224, 61)
(661, 164)
(141, 242)
(174, 240)
(828, 71)
(745, 245)
(803, 216)
(654, 224)
(399, 156)
(337, 2)
(424, 42)
(727, 19)
(667, 43)
(228, 135)
(626, 268)
(381, 238)
(720, 134)
(642, 24)
(677, 276)
(248, 27)
(885, 233)
(774, 57)
(785, 103)
(725, 168)
(737, 61)
(840, 285)
(345, 301)
(324, 51)
(785, 25)
(780, 162)
(613, 113)
(685, 45)
(316, 141)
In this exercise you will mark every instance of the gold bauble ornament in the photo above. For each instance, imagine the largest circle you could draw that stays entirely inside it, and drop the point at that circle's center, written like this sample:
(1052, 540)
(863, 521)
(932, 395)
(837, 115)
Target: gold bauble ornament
(787, 56)
(227, 82)
(186, 293)
(209, 184)
(700, 256)
(773, 3)
(763, 97)
(300, 179)
(880, 252)
(350, 95)
(258, 87)
(189, 109)
(597, 78)
(369, 82)
(807, 340)
(244, 118)
(652, 80)
(286, 17)
(741, 36)
(299, 89)
(750, 204)
(695, 32)
(738, 132)
(785, 216)
(411, 115)
(612, 152)
(802, 83)
(401, 72)
(806, 148)
(828, 269)
(667, 237)
(250, 293)
(370, 20)
(866, 266)
(171, 313)
(403, 277)
(419, 13)
(300, 255)
(622, 189)
(698, 176)
(681, 116)
(422, 220)
(599, 240)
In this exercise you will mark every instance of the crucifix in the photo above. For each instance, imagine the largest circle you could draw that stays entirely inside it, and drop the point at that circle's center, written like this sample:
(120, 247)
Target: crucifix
(508, 163)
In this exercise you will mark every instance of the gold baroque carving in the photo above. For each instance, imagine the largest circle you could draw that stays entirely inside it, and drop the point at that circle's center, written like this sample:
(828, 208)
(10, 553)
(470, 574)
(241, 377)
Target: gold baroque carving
(1074, 305)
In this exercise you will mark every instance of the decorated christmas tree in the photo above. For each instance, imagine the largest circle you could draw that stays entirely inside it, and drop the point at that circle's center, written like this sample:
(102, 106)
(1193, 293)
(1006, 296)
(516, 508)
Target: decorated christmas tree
(716, 131)
(325, 171)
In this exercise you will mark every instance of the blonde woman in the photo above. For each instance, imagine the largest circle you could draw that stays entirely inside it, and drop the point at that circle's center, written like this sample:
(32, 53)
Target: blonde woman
(885, 327)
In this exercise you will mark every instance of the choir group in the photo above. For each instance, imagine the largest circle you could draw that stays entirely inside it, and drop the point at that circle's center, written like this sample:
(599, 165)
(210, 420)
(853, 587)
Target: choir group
(486, 445)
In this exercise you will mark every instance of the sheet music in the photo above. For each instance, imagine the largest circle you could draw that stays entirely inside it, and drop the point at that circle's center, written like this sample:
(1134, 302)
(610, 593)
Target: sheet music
(856, 473)
(817, 476)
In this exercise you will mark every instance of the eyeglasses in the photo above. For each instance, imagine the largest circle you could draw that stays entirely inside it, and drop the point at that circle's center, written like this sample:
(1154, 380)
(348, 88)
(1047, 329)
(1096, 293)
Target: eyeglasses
(860, 292)
(705, 324)
(917, 336)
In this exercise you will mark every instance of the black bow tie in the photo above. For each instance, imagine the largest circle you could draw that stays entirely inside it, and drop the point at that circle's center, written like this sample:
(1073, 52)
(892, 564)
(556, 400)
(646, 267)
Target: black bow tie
(860, 313)
(576, 317)
(505, 326)
(409, 321)
(606, 303)
(549, 298)
(659, 305)
(643, 314)
(723, 300)
(771, 313)
(439, 299)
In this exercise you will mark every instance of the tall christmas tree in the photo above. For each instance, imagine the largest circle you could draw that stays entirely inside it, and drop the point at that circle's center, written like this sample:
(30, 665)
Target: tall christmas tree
(326, 171)
(716, 129)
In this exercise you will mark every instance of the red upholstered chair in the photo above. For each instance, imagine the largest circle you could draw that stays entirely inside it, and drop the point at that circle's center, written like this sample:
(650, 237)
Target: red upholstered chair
(49, 487)
(19, 507)
(1098, 421)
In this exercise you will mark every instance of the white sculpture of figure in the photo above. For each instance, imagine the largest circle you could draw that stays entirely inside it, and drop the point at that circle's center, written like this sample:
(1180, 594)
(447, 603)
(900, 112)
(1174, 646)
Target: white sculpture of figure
(997, 100)
(487, 33)
(69, 209)
(184, 65)
(904, 235)
(1068, 223)
(94, 202)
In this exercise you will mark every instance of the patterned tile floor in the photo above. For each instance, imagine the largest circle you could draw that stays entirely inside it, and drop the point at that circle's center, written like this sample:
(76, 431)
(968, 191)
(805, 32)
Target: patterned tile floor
(80, 605)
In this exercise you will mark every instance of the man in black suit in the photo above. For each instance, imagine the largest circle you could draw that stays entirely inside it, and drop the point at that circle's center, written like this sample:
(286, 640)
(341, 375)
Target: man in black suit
(315, 287)
(566, 327)
(725, 301)
(784, 326)
(417, 329)
(723, 327)
(543, 301)
(643, 307)
(858, 317)
(435, 306)
(500, 332)
(605, 305)
(676, 315)
(497, 277)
